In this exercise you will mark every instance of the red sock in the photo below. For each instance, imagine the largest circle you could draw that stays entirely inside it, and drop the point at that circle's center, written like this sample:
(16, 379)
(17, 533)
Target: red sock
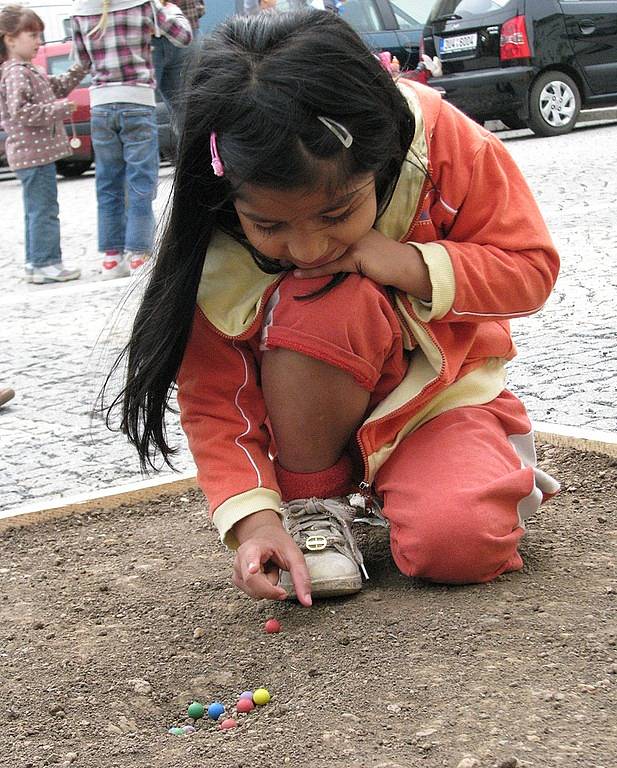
(334, 481)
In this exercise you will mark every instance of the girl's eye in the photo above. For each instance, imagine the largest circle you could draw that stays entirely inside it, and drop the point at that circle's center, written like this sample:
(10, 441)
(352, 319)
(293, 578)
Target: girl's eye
(329, 220)
(338, 219)
(267, 230)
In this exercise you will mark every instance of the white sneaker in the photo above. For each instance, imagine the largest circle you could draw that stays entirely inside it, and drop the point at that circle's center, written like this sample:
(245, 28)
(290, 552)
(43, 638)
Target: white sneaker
(54, 273)
(136, 261)
(114, 265)
(322, 530)
(29, 269)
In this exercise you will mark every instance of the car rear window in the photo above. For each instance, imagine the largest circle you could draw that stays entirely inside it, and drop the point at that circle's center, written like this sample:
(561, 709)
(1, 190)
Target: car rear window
(362, 15)
(464, 9)
(58, 65)
(411, 14)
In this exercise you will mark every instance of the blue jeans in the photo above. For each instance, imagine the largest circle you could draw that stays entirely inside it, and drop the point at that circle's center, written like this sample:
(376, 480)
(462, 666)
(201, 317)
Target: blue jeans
(126, 148)
(42, 225)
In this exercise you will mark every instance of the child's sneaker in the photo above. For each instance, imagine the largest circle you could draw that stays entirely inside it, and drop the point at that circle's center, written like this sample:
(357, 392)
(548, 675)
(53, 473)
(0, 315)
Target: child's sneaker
(54, 273)
(28, 270)
(136, 260)
(322, 530)
(114, 265)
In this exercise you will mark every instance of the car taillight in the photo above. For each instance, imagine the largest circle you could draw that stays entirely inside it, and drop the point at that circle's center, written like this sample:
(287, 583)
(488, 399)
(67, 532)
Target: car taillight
(513, 41)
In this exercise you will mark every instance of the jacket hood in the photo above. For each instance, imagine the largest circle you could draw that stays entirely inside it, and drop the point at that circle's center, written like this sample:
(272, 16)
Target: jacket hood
(398, 216)
(90, 7)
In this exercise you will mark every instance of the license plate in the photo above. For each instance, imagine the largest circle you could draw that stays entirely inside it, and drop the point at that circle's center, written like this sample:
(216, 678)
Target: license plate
(458, 43)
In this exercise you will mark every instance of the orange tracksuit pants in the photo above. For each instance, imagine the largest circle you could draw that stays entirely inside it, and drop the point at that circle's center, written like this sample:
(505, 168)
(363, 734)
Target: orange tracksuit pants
(457, 490)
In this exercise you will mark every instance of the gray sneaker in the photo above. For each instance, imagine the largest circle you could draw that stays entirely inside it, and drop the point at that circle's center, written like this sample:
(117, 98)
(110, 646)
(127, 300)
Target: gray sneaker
(54, 273)
(322, 530)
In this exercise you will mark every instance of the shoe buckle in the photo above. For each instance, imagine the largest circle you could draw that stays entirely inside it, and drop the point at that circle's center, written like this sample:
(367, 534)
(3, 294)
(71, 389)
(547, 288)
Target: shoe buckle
(316, 542)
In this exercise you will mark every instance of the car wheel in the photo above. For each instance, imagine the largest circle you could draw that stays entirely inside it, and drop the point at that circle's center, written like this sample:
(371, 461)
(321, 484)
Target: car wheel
(513, 121)
(72, 168)
(554, 104)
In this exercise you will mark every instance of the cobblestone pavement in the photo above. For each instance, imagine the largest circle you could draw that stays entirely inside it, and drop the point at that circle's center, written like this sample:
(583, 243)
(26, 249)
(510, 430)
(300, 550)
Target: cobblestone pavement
(57, 342)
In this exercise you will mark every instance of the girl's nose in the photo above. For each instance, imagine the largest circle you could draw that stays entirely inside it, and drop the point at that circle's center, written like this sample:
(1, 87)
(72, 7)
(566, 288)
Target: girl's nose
(307, 248)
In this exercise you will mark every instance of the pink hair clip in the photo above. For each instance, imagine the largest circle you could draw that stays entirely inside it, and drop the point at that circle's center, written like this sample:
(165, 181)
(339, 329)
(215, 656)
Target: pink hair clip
(217, 163)
(385, 59)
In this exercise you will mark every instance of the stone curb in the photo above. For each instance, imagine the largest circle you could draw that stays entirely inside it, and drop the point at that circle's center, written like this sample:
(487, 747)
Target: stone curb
(593, 441)
(131, 493)
(588, 440)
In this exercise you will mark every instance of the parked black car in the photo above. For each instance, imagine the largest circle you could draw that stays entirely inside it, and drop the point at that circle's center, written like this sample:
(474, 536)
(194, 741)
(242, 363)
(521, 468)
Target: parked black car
(385, 25)
(529, 63)
(389, 25)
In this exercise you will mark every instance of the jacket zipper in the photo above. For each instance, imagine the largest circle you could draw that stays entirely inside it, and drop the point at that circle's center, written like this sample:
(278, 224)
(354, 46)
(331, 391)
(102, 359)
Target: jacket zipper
(364, 486)
(367, 495)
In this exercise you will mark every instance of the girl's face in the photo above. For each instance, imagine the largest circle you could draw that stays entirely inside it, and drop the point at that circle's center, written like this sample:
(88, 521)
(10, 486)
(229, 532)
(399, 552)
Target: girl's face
(306, 228)
(24, 45)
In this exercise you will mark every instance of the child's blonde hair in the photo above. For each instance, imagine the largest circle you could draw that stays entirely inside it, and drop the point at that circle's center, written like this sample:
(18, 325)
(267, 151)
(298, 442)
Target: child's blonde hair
(102, 23)
(15, 19)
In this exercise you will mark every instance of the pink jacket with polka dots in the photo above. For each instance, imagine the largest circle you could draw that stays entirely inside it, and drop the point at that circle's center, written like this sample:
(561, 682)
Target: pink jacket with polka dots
(32, 111)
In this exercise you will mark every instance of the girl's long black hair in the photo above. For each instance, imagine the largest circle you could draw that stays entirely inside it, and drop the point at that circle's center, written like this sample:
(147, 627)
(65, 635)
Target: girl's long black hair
(260, 82)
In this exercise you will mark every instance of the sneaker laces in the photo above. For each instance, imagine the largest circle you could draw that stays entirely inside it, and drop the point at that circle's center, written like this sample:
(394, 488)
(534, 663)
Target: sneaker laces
(315, 524)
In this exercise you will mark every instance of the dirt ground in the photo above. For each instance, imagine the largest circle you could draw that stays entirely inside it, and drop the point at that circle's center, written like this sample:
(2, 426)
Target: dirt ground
(111, 622)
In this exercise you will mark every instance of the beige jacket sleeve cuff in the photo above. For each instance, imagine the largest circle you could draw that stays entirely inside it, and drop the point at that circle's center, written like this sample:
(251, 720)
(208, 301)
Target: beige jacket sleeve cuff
(441, 274)
(243, 505)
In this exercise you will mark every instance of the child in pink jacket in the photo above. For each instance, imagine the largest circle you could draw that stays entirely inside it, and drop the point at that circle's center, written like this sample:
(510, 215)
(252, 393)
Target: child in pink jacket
(32, 111)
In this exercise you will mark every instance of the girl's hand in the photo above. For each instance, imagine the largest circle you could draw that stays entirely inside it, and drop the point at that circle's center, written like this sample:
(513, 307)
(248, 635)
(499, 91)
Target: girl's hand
(385, 261)
(266, 548)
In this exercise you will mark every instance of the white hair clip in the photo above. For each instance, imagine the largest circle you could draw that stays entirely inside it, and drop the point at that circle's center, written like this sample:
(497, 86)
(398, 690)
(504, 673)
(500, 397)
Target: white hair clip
(341, 133)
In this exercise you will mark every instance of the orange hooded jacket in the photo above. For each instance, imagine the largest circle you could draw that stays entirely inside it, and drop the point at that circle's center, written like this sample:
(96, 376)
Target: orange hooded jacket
(489, 256)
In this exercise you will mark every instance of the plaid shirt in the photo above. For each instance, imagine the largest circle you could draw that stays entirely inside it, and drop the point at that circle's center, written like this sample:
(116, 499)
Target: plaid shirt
(193, 10)
(123, 53)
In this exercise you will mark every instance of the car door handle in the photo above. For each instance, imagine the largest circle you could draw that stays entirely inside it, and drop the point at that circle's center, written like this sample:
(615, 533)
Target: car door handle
(587, 26)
